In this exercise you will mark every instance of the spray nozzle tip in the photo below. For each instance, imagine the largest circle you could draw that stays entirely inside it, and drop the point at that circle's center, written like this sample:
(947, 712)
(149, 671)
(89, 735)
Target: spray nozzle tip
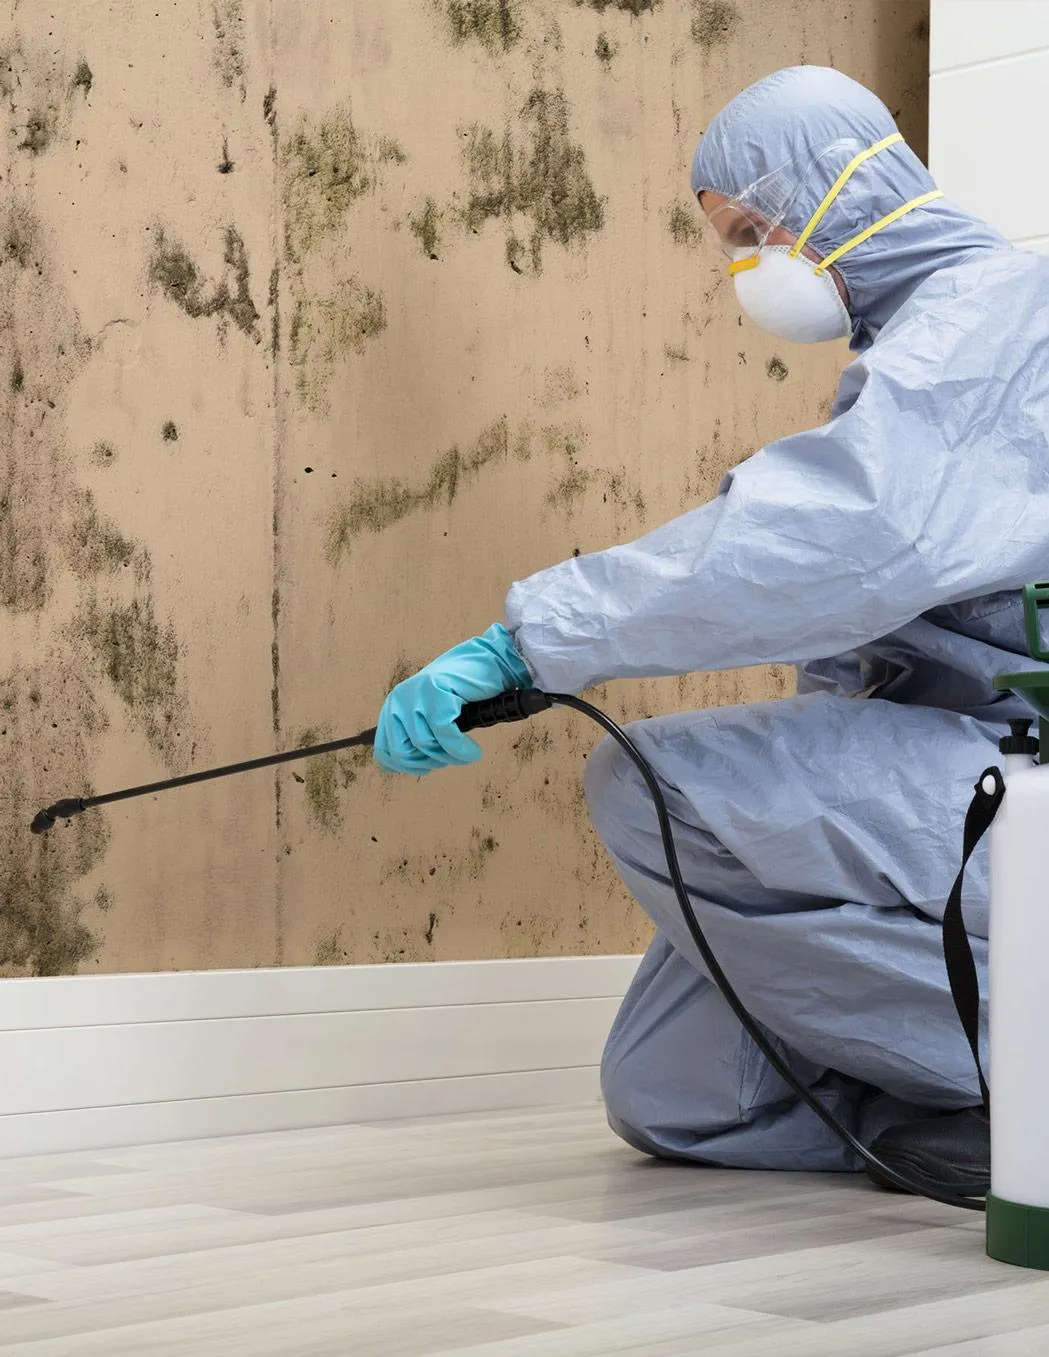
(61, 810)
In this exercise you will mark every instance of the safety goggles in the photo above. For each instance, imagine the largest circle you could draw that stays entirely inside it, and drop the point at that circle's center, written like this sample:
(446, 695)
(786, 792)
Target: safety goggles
(745, 222)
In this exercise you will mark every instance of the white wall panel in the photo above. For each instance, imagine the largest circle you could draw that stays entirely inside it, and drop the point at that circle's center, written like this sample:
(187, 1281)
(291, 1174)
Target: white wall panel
(100, 1061)
(987, 110)
(967, 32)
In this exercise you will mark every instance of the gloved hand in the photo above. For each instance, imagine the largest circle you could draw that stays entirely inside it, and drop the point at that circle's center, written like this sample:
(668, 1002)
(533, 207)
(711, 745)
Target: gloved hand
(417, 732)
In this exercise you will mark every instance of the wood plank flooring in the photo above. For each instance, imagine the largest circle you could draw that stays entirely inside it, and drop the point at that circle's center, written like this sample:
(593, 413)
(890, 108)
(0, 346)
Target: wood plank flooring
(503, 1235)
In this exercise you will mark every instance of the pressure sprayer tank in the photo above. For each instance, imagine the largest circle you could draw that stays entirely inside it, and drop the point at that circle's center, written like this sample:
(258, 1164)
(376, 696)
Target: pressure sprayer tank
(1018, 1205)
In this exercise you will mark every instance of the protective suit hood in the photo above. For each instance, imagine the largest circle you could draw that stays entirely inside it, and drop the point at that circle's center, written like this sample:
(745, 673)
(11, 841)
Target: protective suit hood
(793, 115)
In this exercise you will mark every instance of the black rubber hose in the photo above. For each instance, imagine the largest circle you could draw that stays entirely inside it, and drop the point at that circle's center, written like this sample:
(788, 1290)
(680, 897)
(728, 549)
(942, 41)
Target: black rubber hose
(721, 979)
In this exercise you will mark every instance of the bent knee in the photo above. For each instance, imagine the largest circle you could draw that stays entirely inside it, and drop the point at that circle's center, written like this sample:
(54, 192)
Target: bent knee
(613, 787)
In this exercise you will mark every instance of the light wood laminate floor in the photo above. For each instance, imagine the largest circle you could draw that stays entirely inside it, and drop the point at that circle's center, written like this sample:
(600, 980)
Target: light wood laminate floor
(504, 1235)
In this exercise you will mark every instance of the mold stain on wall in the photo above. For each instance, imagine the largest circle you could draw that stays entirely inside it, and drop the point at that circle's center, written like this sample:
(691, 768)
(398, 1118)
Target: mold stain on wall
(633, 7)
(425, 227)
(374, 506)
(37, 96)
(330, 950)
(325, 329)
(684, 226)
(493, 23)
(50, 718)
(533, 177)
(83, 78)
(605, 50)
(325, 166)
(228, 23)
(140, 658)
(714, 23)
(327, 776)
(95, 546)
(49, 722)
(179, 278)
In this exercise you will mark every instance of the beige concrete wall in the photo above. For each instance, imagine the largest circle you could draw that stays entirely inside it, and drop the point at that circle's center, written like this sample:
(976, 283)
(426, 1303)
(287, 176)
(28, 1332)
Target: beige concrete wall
(320, 324)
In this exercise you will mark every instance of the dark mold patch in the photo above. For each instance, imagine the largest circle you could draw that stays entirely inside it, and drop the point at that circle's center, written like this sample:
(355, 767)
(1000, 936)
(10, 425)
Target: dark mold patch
(482, 846)
(425, 228)
(684, 227)
(614, 486)
(920, 31)
(225, 165)
(431, 928)
(140, 659)
(103, 454)
(714, 22)
(169, 432)
(330, 951)
(390, 151)
(490, 22)
(274, 301)
(42, 926)
(325, 329)
(535, 740)
(40, 933)
(324, 170)
(94, 546)
(228, 19)
(269, 107)
(173, 271)
(20, 235)
(377, 505)
(569, 488)
(17, 375)
(634, 7)
(605, 50)
(676, 353)
(82, 78)
(777, 369)
(327, 776)
(40, 130)
(534, 169)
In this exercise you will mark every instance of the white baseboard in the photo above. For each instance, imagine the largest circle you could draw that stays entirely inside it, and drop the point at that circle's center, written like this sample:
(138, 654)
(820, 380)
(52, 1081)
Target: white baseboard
(96, 1062)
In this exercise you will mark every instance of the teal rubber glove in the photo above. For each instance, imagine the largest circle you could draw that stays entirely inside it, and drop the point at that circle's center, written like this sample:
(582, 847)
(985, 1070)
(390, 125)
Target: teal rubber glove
(417, 733)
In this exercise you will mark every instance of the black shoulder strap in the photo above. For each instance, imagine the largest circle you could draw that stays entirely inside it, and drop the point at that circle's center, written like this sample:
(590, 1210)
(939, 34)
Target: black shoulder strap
(957, 950)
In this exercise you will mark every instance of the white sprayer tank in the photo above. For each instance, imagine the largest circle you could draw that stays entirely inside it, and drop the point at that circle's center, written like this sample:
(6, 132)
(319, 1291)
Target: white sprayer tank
(1018, 982)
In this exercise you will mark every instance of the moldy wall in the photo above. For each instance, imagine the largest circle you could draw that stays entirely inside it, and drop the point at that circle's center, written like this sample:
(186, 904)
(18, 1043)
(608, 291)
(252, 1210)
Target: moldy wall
(322, 323)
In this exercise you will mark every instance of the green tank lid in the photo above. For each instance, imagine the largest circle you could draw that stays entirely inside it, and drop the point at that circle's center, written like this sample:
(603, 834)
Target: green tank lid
(1031, 684)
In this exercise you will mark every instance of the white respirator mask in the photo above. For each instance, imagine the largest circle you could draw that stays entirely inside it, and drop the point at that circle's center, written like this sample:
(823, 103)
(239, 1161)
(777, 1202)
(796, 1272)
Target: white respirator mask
(784, 294)
(776, 285)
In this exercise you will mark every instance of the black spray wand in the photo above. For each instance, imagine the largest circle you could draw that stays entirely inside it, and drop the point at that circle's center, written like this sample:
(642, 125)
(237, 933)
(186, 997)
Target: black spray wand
(512, 706)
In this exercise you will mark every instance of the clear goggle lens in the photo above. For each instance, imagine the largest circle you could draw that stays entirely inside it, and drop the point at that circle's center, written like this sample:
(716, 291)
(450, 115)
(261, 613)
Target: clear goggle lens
(740, 231)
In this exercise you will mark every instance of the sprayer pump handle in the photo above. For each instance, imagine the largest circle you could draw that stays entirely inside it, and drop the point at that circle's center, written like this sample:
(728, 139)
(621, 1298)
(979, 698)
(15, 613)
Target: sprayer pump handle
(1021, 741)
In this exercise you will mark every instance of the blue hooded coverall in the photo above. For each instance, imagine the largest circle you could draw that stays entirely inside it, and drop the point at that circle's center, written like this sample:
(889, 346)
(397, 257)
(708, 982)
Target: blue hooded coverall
(882, 553)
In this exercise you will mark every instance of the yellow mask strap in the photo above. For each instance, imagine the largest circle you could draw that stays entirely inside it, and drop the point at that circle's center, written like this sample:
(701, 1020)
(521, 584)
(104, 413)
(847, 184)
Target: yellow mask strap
(879, 225)
(837, 186)
(739, 265)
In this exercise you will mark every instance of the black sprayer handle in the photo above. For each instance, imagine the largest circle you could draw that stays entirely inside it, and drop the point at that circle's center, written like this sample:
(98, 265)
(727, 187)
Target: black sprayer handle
(516, 705)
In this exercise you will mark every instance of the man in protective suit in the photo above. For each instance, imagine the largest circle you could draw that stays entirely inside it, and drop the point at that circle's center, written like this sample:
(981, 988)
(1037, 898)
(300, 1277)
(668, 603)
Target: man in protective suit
(882, 553)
